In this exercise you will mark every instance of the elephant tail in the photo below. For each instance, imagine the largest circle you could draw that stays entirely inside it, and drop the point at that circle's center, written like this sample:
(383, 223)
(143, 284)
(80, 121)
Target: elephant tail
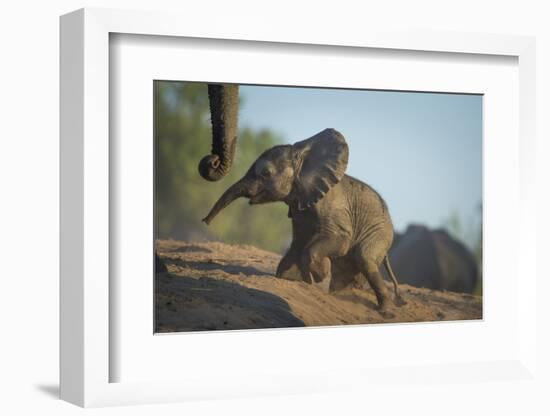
(398, 299)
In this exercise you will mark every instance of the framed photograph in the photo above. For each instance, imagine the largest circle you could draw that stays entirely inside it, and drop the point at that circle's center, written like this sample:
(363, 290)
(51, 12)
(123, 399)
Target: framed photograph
(282, 213)
(326, 235)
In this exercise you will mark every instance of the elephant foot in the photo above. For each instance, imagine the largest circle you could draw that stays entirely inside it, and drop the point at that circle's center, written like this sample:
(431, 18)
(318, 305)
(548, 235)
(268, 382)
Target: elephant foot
(384, 308)
(399, 301)
(385, 313)
(323, 285)
(291, 273)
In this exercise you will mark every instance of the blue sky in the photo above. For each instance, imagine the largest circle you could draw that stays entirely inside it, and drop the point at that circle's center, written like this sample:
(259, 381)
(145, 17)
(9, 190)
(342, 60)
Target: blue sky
(422, 152)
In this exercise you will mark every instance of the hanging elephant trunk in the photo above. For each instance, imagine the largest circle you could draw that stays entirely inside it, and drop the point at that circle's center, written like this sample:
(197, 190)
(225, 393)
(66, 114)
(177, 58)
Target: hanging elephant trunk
(224, 107)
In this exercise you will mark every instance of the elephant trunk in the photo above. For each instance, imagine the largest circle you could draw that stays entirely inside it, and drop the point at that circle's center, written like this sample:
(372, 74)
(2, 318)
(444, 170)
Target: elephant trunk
(224, 108)
(235, 191)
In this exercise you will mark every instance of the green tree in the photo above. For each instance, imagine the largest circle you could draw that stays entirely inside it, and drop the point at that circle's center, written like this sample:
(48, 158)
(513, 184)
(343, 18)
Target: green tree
(183, 198)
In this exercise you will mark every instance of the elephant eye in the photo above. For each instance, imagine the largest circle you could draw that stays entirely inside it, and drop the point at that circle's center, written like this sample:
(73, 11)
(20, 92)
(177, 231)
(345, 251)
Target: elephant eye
(266, 173)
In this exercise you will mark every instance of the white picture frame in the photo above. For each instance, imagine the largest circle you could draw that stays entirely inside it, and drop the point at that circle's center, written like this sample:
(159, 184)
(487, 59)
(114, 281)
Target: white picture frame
(86, 356)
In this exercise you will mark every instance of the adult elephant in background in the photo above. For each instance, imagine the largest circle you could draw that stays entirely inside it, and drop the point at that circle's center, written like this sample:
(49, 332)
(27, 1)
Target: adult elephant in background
(224, 110)
(433, 259)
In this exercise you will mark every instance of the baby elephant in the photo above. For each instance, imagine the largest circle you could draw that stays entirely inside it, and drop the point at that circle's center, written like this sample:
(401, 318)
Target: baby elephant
(336, 219)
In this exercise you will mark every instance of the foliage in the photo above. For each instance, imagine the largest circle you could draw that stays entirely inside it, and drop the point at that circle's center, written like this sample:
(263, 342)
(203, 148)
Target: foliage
(182, 198)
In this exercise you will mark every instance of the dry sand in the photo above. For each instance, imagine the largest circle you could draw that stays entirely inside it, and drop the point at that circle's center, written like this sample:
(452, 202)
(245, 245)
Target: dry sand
(216, 286)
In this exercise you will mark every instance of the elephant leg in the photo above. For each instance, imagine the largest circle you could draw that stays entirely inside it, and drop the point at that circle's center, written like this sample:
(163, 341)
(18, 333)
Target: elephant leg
(369, 261)
(315, 262)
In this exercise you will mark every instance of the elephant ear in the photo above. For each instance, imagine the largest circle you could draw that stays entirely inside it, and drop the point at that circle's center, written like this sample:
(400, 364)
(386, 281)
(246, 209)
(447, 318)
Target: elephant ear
(321, 162)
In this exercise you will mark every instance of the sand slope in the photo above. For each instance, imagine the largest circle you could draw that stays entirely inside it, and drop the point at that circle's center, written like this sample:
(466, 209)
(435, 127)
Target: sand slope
(212, 286)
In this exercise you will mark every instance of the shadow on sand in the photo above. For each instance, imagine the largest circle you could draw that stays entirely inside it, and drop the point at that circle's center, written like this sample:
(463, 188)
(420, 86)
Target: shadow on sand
(204, 304)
